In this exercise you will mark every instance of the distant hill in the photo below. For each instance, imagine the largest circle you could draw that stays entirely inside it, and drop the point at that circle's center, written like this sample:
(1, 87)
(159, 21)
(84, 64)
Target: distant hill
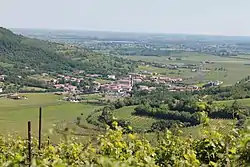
(21, 55)
(20, 52)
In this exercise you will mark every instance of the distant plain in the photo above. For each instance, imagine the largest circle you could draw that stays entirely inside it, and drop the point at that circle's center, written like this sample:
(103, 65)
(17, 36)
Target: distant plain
(235, 67)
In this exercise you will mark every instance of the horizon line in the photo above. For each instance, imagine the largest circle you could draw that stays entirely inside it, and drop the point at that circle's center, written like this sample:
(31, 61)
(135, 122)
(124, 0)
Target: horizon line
(132, 32)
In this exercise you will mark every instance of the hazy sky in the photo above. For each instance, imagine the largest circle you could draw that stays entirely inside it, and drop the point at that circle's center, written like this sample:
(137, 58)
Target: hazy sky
(224, 17)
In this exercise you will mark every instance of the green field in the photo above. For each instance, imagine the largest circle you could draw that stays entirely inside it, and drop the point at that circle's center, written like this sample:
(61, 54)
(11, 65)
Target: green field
(244, 102)
(91, 97)
(144, 122)
(103, 81)
(224, 126)
(41, 77)
(29, 88)
(185, 73)
(2, 64)
(137, 122)
(235, 67)
(151, 69)
(14, 114)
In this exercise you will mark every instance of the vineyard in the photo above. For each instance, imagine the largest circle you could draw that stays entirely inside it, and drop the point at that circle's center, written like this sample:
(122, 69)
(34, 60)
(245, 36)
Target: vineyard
(223, 125)
(116, 148)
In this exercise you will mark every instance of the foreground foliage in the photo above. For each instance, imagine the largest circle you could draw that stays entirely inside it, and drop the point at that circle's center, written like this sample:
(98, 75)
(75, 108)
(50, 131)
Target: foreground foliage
(116, 148)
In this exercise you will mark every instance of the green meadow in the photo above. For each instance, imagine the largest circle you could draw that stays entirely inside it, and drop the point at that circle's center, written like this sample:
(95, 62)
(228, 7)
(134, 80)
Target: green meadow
(137, 122)
(14, 114)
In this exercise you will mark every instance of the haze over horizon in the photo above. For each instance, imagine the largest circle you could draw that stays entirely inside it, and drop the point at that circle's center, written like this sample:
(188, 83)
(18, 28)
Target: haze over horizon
(224, 17)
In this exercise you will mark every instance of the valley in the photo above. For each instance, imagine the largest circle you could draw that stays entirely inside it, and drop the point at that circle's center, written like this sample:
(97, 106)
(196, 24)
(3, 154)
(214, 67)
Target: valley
(87, 89)
(92, 78)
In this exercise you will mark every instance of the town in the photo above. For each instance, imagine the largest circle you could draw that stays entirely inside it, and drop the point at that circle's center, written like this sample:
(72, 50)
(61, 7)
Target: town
(114, 86)
(121, 86)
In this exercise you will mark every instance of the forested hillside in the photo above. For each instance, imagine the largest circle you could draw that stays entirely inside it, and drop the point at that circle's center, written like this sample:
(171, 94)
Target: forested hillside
(20, 55)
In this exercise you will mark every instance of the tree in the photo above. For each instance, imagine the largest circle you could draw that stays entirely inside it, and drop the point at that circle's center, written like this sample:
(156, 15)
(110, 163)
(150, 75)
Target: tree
(235, 107)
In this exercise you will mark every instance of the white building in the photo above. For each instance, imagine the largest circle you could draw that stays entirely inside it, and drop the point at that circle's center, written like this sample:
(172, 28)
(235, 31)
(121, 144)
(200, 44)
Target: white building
(111, 76)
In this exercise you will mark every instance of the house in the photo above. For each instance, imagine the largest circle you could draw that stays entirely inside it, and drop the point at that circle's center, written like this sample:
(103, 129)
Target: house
(93, 75)
(110, 88)
(211, 83)
(79, 72)
(2, 77)
(142, 87)
(52, 81)
(70, 88)
(151, 88)
(60, 76)
(14, 96)
(67, 78)
(147, 72)
(73, 79)
(59, 86)
(58, 93)
(45, 74)
(124, 82)
(111, 76)
(137, 80)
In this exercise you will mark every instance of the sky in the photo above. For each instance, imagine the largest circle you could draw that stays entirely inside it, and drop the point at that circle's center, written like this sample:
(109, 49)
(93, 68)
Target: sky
(209, 17)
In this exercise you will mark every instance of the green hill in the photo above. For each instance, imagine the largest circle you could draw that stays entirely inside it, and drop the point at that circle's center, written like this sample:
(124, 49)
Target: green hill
(24, 56)
(20, 52)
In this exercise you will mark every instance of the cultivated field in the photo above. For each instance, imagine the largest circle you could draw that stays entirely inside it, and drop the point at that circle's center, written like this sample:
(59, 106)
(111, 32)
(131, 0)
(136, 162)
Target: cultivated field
(14, 114)
(224, 126)
(236, 68)
(244, 102)
(137, 122)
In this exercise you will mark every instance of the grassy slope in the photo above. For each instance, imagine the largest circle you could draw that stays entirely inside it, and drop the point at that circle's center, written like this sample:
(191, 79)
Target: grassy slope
(14, 114)
(22, 51)
(195, 131)
(244, 102)
(136, 121)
